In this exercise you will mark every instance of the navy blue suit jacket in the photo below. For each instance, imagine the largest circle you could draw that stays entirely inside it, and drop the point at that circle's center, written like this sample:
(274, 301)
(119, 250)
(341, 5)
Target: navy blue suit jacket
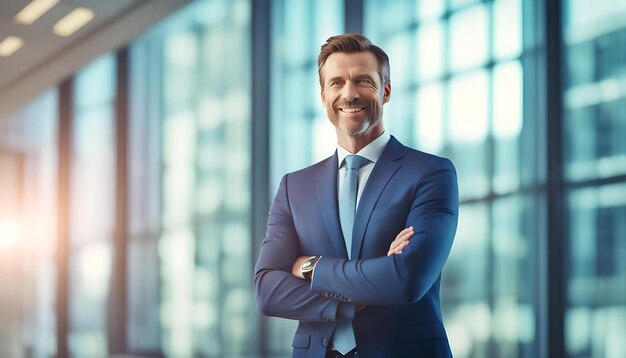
(403, 315)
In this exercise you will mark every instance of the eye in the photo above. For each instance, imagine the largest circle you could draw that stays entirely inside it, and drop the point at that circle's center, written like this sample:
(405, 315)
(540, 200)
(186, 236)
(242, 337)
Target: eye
(365, 81)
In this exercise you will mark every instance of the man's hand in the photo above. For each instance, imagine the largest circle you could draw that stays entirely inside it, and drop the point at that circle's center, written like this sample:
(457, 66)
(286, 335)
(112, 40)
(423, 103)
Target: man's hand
(296, 268)
(401, 241)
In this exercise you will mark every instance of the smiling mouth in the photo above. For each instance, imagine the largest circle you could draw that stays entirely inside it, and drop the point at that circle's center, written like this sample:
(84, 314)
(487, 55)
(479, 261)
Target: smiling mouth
(352, 109)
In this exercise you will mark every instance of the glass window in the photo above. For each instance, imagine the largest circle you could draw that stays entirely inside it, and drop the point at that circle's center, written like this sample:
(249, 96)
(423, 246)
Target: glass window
(507, 29)
(458, 4)
(430, 50)
(28, 214)
(594, 104)
(594, 98)
(393, 16)
(431, 9)
(507, 125)
(144, 190)
(199, 249)
(465, 289)
(468, 107)
(596, 295)
(467, 131)
(469, 38)
(514, 260)
(403, 68)
(92, 206)
(429, 131)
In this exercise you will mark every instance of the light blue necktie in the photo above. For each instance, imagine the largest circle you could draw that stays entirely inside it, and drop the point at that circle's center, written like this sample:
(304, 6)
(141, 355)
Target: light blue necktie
(343, 339)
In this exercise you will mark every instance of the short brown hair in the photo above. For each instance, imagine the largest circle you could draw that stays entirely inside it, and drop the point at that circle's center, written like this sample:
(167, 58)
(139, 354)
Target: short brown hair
(351, 43)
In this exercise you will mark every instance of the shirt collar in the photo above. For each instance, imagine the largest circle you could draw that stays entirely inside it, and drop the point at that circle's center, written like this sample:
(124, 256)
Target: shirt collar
(371, 152)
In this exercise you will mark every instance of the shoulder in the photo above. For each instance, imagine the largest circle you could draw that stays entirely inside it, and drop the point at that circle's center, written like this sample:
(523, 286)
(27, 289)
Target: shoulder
(418, 159)
(427, 159)
(307, 177)
(305, 180)
(311, 170)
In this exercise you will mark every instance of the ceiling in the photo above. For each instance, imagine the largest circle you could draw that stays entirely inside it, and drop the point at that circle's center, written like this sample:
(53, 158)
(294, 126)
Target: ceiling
(46, 59)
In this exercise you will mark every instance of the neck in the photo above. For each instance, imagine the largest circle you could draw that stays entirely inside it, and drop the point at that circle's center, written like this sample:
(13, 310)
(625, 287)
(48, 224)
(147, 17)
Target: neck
(354, 143)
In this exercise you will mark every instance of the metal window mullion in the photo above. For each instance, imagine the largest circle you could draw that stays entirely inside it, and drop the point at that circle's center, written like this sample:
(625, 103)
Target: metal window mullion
(118, 296)
(261, 43)
(556, 243)
(63, 212)
(353, 16)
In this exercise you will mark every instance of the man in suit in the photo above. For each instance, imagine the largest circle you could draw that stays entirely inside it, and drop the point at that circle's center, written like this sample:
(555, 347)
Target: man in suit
(356, 243)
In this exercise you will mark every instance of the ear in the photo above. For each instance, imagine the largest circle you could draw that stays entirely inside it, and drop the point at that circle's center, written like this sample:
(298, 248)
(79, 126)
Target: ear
(387, 92)
(323, 95)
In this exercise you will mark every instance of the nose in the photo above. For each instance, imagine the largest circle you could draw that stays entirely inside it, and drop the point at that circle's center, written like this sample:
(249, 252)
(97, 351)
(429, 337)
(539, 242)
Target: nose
(350, 91)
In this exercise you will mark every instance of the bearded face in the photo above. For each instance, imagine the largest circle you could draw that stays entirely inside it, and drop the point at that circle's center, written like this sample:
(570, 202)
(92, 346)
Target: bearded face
(353, 92)
(355, 117)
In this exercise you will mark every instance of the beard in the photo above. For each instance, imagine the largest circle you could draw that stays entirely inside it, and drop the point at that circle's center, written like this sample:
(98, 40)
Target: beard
(355, 126)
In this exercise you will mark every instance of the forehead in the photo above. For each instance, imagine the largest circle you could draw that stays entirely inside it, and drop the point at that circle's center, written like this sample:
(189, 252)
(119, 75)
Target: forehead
(341, 64)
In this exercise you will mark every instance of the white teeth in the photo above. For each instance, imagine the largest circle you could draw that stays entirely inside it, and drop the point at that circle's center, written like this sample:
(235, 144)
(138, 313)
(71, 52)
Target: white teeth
(351, 110)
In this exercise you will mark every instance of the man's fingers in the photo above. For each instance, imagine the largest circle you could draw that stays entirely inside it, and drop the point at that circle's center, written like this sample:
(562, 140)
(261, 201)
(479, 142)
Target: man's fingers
(395, 244)
(398, 249)
(403, 236)
(405, 231)
(400, 242)
(401, 246)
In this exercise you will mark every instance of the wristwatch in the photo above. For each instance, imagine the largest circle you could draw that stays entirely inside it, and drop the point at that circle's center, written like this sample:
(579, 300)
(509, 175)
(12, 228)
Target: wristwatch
(307, 267)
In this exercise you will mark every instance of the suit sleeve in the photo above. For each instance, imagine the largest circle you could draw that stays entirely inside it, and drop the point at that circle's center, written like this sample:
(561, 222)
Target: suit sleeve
(407, 277)
(277, 291)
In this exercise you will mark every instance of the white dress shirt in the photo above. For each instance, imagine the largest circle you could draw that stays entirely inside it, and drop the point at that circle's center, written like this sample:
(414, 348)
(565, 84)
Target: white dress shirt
(371, 152)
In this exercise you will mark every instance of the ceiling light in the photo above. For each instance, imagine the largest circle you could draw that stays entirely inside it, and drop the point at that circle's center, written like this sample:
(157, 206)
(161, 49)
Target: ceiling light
(31, 12)
(9, 45)
(73, 21)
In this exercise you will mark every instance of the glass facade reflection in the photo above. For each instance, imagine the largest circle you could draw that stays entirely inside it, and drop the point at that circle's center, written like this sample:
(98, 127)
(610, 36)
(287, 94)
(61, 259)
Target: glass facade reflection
(191, 118)
(594, 97)
(594, 102)
(28, 220)
(92, 206)
(467, 84)
(595, 319)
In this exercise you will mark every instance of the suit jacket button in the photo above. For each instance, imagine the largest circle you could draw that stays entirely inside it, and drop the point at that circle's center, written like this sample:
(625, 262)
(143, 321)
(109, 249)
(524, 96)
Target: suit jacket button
(324, 341)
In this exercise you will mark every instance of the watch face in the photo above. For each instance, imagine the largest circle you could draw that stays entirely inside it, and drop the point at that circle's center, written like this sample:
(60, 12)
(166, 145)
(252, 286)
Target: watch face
(307, 265)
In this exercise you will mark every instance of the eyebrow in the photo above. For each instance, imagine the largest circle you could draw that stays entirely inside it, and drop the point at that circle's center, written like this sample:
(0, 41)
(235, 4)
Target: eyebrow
(357, 77)
(337, 78)
(366, 76)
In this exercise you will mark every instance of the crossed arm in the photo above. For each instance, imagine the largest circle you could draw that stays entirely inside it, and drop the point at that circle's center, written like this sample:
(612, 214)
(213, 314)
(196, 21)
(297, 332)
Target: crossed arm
(400, 242)
(414, 260)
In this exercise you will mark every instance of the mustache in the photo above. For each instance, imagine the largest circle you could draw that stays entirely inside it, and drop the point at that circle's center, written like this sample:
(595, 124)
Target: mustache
(353, 103)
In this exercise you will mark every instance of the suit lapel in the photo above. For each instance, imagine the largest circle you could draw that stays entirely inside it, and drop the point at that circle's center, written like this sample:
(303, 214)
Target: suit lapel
(385, 168)
(327, 197)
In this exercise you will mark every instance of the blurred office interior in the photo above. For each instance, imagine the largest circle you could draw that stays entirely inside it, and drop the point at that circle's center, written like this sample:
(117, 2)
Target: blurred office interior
(140, 154)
